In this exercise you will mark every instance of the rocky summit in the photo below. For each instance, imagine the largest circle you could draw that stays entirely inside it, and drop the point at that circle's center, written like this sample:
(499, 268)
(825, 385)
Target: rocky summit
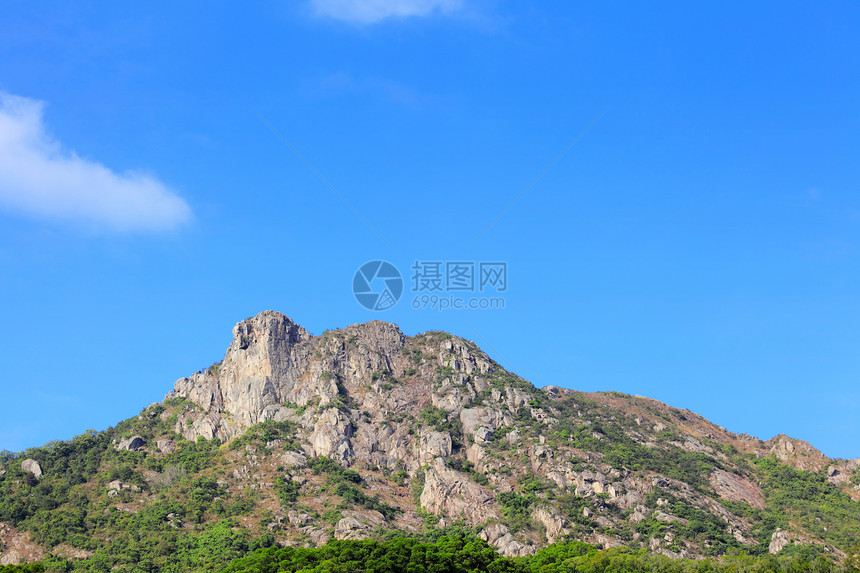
(364, 432)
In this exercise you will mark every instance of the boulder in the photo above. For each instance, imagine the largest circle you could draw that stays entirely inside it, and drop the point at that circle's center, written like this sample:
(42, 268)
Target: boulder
(434, 445)
(500, 537)
(32, 466)
(165, 446)
(640, 512)
(490, 418)
(132, 444)
(294, 460)
(317, 536)
(296, 518)
(117, 485)
(358, 524)
(349, 528)
(778, 541)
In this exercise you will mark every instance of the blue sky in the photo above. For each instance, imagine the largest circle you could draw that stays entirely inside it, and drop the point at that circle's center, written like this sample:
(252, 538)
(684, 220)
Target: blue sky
(698, 244)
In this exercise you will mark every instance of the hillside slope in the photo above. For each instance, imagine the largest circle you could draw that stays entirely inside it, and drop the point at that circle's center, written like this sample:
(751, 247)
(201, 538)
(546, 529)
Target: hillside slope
(364, 432)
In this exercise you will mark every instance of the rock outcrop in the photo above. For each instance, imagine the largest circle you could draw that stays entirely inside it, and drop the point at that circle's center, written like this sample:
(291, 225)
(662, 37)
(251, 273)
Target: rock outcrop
(733, 487)
(32, 466)
(272, 366)
(452, 493)
(500, 537)
(131, 444)
(16, 546)
(797, 453)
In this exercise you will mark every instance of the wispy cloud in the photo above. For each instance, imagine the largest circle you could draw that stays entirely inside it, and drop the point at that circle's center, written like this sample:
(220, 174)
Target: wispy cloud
(40, 178)
(395, 92)
(370, 11)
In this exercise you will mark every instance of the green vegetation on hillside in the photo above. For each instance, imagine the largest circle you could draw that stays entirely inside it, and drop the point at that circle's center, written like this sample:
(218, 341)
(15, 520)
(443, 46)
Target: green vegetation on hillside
(178, 519)
(807, 499)
(468, 555)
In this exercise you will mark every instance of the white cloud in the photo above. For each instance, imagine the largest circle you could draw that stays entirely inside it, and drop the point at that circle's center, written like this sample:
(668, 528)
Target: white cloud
(369, 11)
(40, 178)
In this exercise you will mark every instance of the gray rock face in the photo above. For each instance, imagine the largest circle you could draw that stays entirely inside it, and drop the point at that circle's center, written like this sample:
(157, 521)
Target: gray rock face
(736, 488)
(434, 445)
(132, 444)
(117, 485)
(165, 446)
(17, 546)
(640, 513)
(797, 453)
(499, 536)
(453, 493)
(398, 408)
(32, 466)
(297, 518)
(357, 524)
(294, 460)
(778, 541)
(316, 535)
(331, 435)
(489, 418)
(552, 521)
(273, 364)
(350, 528)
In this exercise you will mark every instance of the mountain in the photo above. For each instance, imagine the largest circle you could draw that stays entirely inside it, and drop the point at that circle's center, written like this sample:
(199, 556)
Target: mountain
(364, 432)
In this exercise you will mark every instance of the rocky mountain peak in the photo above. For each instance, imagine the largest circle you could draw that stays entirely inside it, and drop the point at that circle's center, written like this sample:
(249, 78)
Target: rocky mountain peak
(273, 364)
(438, 412)
(362, 429)
(268, 328)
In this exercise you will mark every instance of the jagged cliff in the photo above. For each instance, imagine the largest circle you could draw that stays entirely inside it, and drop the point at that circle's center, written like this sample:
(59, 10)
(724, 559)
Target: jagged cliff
(363, 430)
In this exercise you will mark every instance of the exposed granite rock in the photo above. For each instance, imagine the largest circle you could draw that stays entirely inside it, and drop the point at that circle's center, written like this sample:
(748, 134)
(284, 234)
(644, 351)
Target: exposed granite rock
(331, 435)
(271, 364)
(797, 453)
(298, 518)
(552, 521)
(294, 460)
(16, 546)
(499, 536)
(350, 528)
(165, 446)
(68, 552)
(132, 444)
(117, 485)
(434, 445)
(489, 418)
(316, 535)
(450, 492)
(32, 466)
(778, 541)
(640, 513)
(733, 487)
(357, 524)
